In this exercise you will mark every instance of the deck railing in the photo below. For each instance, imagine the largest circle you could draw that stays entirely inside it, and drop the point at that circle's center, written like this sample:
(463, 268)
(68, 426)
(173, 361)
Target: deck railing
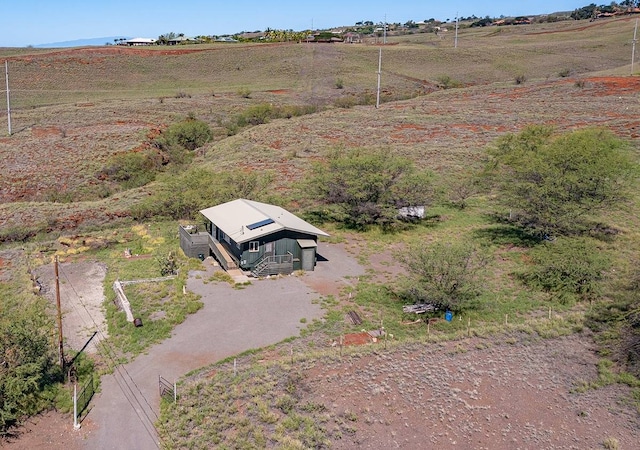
(273, 265)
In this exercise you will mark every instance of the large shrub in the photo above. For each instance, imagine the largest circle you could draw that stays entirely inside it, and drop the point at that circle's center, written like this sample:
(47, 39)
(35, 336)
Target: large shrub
(569, 268)
(132, 169)
(181, 196)
(28, 370)
(554, 184)
(189, 134)
(449, 275)
(361, 188)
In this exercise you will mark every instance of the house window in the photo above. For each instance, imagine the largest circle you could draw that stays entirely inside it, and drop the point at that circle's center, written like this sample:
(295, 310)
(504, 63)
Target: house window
(254, 246)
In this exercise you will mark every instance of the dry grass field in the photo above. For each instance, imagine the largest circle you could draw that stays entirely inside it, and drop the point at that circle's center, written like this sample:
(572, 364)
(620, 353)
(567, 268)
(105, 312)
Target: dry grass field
(74, 109)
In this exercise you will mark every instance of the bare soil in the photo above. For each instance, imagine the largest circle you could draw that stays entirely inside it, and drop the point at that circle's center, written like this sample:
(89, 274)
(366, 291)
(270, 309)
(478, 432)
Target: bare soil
(480, 394)
(81, 298)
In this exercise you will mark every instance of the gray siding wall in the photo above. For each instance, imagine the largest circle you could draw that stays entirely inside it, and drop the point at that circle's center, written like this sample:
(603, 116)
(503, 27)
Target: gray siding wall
(194, 244)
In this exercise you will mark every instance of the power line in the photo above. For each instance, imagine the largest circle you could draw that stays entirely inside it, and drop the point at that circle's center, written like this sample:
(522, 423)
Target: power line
(122, 383)
(6, 71)
(633, 47)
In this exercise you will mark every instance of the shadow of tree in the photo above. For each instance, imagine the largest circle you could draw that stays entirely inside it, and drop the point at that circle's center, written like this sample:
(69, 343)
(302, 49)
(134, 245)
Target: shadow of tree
(506, 234)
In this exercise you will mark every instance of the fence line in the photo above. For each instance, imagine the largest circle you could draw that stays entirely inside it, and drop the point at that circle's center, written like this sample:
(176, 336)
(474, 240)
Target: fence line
(167, 389)
(148, 280)
(82, 399)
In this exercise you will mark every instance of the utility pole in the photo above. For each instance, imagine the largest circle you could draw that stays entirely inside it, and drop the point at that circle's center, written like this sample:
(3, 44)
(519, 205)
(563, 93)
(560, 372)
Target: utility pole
(6, 72)
(633, 47)
(384, 32)
(455, 41)
(60, 347)
(379, 75)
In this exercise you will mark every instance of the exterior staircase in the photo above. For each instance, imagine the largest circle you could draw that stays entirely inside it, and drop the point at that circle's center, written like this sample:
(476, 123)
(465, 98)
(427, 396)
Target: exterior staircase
(273, 265)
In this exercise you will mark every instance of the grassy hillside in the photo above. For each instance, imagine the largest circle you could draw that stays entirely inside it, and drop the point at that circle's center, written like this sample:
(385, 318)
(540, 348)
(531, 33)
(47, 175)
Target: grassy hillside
(76, 110)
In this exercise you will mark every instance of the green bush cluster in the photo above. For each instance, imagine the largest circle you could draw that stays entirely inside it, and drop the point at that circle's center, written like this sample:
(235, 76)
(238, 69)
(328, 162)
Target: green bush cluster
(446, 82)
(132, 169)
(181, 196)
(173, 147)
(188, 134)
(361, 188)
(29, 373)
(264, 112)
(570, 268)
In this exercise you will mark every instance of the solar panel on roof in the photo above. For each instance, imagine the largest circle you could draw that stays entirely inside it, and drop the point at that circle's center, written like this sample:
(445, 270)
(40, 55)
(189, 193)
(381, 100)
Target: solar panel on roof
(262, 223)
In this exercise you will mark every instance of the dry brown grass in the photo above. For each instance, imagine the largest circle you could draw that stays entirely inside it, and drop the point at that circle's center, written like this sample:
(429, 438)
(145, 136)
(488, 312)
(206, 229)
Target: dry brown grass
(74, 108)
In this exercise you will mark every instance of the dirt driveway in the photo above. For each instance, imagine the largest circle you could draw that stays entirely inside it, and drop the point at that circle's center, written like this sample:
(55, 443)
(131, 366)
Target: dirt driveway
(466, 394)
(232, 320)
(81, 299)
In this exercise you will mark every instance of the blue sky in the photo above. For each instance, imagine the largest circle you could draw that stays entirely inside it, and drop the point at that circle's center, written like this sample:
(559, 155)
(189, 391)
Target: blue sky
(34, 22)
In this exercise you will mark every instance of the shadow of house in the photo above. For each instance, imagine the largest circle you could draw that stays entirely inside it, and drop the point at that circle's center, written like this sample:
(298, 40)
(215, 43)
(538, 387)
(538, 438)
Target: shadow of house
(257, 237)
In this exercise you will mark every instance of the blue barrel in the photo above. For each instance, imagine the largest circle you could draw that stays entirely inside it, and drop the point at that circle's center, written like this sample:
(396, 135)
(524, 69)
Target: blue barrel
(448, 316)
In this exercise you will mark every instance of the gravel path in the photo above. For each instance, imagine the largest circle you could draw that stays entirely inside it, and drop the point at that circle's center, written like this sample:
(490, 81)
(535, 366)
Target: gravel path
(232, 320)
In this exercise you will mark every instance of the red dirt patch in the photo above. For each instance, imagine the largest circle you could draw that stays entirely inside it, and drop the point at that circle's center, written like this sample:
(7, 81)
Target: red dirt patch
(617, 85)
(40, 132)
(474, 394)
(357, 339)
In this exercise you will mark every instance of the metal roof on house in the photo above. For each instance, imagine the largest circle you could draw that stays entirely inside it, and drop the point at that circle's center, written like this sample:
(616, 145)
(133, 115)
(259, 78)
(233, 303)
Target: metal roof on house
(246, 220)
(141, 41)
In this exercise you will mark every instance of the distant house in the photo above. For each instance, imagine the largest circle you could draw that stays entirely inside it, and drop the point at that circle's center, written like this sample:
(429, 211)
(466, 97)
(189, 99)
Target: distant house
(352, 38)
(257, 237)
(140, 41)
(182, 40)
(253, 36)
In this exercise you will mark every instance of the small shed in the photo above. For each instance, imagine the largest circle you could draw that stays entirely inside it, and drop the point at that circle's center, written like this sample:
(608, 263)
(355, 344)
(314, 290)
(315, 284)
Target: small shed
(258, 237)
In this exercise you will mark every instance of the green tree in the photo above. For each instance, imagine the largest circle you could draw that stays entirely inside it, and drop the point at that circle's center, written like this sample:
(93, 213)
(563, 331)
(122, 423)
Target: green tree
(586, 12)
(569, 268)
(449, 275)
(181, 196)
(164, 39)
(554, 184)
(28, 370)
(361, 188)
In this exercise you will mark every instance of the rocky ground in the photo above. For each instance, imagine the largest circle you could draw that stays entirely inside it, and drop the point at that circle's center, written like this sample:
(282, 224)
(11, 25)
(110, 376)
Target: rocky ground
(477, 394)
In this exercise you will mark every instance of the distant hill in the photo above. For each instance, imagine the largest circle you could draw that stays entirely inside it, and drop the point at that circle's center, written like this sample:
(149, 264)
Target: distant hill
(82, 42)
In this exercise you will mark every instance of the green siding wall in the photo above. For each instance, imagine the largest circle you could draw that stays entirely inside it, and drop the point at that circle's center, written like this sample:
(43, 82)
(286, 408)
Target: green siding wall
(285, 241)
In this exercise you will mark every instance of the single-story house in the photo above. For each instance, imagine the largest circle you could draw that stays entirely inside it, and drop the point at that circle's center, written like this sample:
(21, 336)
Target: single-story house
(140, 41)
(258, 237)
(182, 40)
